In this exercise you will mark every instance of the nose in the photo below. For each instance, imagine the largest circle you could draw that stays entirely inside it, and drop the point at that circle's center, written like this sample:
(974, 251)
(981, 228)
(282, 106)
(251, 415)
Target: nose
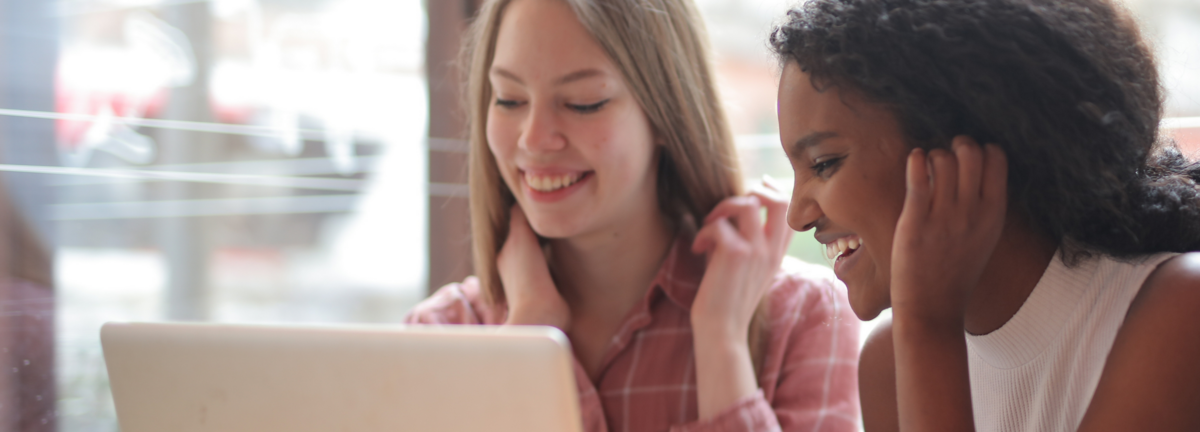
(542, 132)
(803, 210)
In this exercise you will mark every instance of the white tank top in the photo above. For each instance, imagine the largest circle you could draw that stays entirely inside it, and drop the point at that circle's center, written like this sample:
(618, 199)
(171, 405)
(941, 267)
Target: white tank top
(1038, 372)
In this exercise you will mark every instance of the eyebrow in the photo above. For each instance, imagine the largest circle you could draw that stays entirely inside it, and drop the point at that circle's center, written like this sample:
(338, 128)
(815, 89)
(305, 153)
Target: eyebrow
(565, 79)
(579, 75)
(810, 140)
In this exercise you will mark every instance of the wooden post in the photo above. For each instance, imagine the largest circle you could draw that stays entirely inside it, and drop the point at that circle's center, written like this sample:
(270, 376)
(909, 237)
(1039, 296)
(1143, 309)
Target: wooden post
(449, 223)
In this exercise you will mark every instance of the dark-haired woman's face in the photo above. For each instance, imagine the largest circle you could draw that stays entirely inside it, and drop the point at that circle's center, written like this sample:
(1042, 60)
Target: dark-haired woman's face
(849, 159)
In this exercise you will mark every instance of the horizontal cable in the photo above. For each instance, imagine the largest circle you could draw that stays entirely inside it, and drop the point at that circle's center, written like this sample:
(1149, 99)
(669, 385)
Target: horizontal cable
(450, 190)
(222, 207)
(221, 128)
(203, 207)
(434, 143)
(285, 167)
(74, 8)
(245, 179)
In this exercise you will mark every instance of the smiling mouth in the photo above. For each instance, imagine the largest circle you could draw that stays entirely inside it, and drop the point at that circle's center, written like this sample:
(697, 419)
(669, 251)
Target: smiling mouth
(553, 182)
(842, 248)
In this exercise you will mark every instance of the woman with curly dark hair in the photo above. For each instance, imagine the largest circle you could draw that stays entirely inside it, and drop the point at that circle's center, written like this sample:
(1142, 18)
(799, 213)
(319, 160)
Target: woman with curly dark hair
(1044, 281)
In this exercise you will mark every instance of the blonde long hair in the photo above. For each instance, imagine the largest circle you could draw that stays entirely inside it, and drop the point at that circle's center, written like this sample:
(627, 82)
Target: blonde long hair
(660, 47)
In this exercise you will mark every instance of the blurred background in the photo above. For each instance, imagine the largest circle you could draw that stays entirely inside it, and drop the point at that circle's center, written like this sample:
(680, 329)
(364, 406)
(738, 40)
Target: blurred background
(282, 161)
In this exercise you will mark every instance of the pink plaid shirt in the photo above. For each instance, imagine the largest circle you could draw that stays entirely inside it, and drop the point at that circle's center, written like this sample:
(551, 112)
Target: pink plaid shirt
(808, 380)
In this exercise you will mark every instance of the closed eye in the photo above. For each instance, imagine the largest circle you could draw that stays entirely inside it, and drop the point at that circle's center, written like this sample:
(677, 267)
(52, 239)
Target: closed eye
(827, 166)
(588, 109)
(508, 103)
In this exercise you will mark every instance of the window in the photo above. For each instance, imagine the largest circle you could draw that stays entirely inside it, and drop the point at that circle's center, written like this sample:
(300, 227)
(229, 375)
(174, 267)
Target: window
(267, 161)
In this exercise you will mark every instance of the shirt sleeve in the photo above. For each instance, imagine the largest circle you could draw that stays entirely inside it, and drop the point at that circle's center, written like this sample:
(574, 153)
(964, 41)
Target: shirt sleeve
(815, 340)
(751, 413)
(809, 376)
(454, 303)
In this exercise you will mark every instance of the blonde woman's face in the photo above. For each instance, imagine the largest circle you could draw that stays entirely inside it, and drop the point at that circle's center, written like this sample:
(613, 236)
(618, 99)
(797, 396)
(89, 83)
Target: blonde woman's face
(568, 136)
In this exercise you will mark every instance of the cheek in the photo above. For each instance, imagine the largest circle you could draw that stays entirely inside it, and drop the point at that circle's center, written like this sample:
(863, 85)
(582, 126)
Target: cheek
(619, 144)
(884, 211)
(639, 140)
(889, 202)
(501, 135)
(795, 218)
(502, 141)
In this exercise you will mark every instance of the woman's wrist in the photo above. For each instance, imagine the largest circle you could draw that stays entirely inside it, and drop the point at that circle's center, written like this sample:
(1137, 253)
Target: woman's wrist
(525, 315)
(724, 371)
(720, 327)
(926, 313)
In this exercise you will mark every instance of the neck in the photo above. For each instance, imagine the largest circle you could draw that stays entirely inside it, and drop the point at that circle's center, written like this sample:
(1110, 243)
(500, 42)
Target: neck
(1016, 266)
(608, 271)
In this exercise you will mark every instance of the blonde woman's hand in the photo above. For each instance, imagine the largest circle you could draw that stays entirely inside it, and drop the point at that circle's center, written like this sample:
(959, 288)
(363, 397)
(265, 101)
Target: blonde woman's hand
(528, 288)
(744, 253)
(953, 215)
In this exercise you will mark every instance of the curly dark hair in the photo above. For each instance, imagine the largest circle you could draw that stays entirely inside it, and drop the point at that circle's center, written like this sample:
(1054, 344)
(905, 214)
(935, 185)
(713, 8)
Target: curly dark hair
(1068, 88)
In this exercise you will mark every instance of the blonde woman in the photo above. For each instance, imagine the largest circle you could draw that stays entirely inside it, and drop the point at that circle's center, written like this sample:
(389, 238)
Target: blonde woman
(606, 201)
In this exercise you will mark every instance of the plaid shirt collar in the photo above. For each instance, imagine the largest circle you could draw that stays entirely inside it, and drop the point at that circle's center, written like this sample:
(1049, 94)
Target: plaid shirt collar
(680, 274)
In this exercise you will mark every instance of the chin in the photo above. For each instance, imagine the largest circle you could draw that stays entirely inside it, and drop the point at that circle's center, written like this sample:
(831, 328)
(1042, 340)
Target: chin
(549, 231)
(552, 227)
(865, 305)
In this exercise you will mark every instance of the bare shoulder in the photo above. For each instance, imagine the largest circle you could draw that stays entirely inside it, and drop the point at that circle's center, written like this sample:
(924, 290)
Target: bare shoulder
(1168, 300)
(1176, 277)
(1170, 296)
(877, 380)
(1151, 380)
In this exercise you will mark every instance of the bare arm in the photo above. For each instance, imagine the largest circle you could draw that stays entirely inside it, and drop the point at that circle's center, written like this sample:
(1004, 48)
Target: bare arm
(933, 383)
(877, 381)
(1151, 380)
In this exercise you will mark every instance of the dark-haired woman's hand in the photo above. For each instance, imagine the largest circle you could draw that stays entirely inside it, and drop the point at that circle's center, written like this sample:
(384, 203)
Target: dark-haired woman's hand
(528, 288)
(744, 253)
(952, 219)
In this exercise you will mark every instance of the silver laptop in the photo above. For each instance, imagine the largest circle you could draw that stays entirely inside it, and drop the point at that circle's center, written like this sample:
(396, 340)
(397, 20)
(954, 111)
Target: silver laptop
(234, 378)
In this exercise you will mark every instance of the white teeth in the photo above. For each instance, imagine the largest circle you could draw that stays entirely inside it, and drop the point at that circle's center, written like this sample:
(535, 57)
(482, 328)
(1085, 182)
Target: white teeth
(837, 248)
(549, 183)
